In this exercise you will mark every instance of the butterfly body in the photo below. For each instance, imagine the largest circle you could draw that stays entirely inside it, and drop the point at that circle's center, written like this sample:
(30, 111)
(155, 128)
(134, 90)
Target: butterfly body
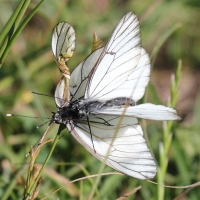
(77, 110)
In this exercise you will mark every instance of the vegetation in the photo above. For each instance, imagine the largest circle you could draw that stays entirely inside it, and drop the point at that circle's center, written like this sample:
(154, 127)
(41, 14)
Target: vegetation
(171, 35)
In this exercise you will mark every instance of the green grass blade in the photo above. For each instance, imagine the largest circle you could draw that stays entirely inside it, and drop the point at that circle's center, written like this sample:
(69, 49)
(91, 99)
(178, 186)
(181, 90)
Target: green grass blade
(13, 183)
(11, 21)
(18, 31)
(11, 28)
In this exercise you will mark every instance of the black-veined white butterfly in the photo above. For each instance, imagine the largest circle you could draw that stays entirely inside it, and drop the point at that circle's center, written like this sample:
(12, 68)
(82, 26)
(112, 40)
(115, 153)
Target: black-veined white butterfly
(97, 103)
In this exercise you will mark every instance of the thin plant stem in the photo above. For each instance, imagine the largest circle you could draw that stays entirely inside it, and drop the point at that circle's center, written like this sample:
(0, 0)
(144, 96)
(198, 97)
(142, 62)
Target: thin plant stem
(162, 40)
(167, 135)
(94, 188)
(106, 157)
(31, 187)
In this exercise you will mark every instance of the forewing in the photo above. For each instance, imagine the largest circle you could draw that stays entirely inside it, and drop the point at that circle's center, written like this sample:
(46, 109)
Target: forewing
(63, 41)
(118, 60)
(144, 111)
(80, 75)
(133, 86)
(129, 153)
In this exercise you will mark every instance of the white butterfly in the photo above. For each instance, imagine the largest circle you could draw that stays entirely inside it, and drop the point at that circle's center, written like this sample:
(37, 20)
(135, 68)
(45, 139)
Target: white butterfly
(104, 89)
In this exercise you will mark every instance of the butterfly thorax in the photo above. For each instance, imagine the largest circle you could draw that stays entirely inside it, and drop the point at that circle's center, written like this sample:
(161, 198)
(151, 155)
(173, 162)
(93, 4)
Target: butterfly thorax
(65, 114)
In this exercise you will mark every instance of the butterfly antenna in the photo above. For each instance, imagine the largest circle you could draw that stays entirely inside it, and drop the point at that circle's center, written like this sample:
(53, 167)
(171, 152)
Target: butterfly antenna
(14, 115)
(46, 95)
(44, 124)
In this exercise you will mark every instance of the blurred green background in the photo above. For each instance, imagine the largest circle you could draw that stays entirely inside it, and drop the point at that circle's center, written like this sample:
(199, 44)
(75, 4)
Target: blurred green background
(30, 66)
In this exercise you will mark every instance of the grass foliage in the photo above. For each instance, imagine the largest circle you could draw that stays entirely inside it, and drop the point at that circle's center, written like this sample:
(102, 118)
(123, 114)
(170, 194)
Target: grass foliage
(170, 31)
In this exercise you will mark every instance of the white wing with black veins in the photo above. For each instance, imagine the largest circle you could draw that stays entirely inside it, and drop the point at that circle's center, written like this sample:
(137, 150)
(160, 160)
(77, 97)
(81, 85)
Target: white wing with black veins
(128, 154)
(123, 68)
(81, 74)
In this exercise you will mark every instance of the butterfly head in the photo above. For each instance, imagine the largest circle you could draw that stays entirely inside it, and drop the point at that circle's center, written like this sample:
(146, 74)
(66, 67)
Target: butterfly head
(57, 118)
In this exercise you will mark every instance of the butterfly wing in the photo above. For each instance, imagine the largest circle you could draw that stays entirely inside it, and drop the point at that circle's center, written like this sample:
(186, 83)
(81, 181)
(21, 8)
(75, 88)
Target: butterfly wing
(128, 154)
(63, 46)
(123, 68)
(63, 41)
(80, 75)
(144, 111)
